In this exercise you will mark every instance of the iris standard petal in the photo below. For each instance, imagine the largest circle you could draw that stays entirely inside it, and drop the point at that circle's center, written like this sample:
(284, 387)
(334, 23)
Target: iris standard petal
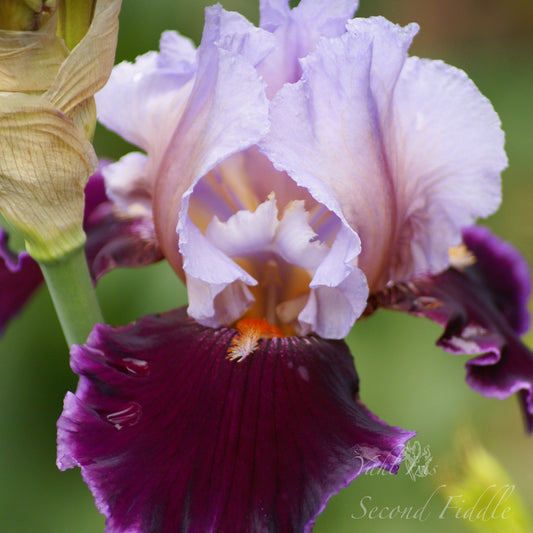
(20, 276)
(296, 33)
(482, 309)
(172, 436)
(143, 100)
(407, 150)
(227, 112)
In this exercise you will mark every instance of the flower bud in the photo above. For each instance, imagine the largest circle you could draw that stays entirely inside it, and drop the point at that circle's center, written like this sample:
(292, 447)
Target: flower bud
(47, 116)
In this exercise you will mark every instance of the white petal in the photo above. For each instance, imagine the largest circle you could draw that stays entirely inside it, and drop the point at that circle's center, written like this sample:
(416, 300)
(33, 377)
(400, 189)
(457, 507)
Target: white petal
(407, 151)
(209, 273)
(245, 233)
(295, 240)
(339, 290)
(297, 31)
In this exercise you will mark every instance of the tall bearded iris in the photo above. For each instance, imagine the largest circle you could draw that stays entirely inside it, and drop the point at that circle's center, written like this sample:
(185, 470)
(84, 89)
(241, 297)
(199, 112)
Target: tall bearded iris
(287, 172)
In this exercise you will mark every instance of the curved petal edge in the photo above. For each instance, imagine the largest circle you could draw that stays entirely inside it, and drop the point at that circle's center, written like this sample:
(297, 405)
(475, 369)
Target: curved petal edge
(482, 309)
(172, 436)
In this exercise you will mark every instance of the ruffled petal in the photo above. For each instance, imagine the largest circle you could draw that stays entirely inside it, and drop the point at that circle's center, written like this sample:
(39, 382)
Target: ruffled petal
(143, 101)
(447, 153)
(20, 276)
(296, 32)
(322, 126)
(172, 436)
(407, 151)
(482, 310)
(227, 112)
(503, 269)
(339, 292)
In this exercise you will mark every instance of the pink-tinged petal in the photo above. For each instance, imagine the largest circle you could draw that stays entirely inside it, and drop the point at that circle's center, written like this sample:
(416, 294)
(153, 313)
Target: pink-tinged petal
(482, 310)
(20, 277)
(297, 32)
(390, 44)
(115, 239)
(172, 436)
(227, 112)
(407, 151)
(308, 283)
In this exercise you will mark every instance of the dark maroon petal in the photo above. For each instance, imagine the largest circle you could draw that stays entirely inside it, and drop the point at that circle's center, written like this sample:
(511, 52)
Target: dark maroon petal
(482, 310)
(171, 436)
(505, 272)
(114, 239)
(20, 276)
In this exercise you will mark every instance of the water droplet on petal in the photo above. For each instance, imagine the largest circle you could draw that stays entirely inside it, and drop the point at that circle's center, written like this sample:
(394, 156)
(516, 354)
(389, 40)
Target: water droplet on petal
(126, 417)
(139, 367)
(303, 372)
(133, 366)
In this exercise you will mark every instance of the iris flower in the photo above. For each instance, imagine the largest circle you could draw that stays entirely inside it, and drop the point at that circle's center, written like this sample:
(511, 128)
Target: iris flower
(297, 176)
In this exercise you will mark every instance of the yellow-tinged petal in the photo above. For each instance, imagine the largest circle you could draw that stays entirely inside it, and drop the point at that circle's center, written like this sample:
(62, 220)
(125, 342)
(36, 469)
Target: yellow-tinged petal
(84, 117)
(45, 162)
(30, 60)
(89, 65)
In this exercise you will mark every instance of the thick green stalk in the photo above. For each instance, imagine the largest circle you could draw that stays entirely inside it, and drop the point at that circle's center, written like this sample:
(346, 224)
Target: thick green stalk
(72, 291)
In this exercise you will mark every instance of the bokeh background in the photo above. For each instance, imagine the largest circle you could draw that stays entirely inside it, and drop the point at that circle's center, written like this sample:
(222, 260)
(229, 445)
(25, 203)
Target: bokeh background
(405, 379)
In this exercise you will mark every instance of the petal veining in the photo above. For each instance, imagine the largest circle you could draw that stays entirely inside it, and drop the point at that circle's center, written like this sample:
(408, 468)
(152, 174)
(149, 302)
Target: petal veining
(201, 444)
(406, 150)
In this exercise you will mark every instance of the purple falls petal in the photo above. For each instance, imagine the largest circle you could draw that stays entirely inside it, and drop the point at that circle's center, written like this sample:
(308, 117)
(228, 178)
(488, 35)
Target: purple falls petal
(482, 310)
(505, 271)
(20, 276)
(115, 239)
(171, 436)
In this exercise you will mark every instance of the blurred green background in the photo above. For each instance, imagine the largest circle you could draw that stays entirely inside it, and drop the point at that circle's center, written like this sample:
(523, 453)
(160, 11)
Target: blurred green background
(405, 379)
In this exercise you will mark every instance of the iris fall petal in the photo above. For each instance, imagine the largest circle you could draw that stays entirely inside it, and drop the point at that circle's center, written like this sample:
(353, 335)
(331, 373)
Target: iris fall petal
(20, 276)
(482, 309)
(115, 239)
(172, 436)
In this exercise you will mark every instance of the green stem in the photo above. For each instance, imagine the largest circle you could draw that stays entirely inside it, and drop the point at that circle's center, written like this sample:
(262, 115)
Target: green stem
(72, 291)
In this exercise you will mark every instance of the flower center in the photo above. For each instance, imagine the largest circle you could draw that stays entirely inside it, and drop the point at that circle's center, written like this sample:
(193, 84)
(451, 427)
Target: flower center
(259, 247)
